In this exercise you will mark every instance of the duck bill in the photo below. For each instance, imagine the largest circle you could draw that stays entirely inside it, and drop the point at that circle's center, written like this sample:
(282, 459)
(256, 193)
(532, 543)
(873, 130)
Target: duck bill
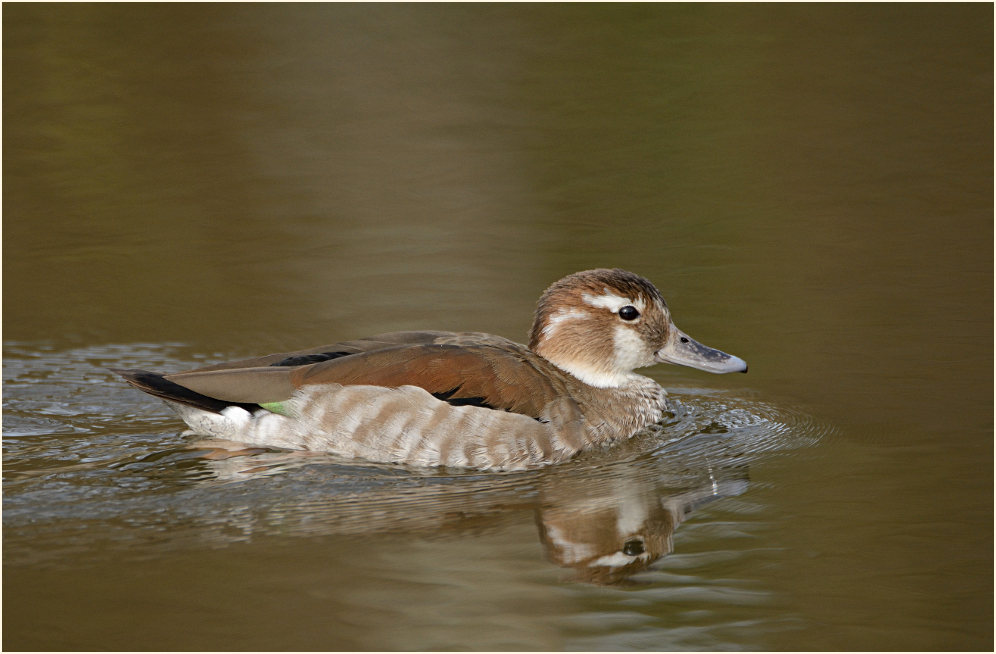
(683, 350)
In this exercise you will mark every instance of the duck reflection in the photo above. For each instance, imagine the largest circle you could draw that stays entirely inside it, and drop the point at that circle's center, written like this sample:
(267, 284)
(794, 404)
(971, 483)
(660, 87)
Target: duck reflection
(603, 521)
(609, 530)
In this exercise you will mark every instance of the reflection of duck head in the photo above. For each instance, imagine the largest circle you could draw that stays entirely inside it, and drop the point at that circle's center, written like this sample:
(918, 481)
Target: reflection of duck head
(611, 530)
(606, 523)
(601, 547)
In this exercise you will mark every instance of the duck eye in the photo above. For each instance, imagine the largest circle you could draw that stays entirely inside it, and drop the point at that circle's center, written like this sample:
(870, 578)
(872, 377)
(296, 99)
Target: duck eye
(633, 547)
(629, 312)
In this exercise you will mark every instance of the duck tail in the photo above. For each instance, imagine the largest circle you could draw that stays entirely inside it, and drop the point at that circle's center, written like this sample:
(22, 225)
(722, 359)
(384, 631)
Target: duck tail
(156, 384)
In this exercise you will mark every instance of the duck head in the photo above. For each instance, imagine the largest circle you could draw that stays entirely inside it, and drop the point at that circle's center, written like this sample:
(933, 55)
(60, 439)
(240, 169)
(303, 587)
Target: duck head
(600, 325)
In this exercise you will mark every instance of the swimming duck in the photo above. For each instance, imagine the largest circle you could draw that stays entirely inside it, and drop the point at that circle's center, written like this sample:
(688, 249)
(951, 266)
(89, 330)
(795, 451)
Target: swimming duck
(462, 399)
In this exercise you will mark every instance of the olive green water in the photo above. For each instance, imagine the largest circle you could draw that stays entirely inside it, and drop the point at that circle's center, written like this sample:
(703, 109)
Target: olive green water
(810, 186)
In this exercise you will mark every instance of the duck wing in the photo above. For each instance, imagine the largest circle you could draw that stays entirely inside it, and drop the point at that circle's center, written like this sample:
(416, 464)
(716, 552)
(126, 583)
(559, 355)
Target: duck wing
(492, 373)
(336, 350)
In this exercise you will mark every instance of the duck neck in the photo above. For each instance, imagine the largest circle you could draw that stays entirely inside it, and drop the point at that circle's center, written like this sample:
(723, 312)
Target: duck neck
(621, 411)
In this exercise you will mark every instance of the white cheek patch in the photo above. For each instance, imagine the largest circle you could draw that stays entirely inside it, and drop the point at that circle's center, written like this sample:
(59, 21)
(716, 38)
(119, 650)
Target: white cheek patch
(559, 317)
(616, 560)
(632, 512)
(612, 302)
(572, 552)
(630, 349)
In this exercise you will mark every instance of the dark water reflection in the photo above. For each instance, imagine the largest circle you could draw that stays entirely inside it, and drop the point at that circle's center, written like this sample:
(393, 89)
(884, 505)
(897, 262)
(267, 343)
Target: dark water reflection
(809, 185)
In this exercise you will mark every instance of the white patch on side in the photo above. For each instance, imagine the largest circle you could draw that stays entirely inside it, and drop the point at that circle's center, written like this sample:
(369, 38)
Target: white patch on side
(236, 424)
(236, 414)
(561, 316)
(612, 302)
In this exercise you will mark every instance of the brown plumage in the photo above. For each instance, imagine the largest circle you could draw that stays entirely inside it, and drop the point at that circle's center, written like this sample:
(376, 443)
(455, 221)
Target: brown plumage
(446, 398)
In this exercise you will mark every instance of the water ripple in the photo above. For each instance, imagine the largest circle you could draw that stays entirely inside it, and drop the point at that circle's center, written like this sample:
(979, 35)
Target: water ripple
(86, 460)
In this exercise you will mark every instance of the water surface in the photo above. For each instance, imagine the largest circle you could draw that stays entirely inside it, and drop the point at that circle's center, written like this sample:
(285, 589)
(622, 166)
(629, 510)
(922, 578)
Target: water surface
(810, 187)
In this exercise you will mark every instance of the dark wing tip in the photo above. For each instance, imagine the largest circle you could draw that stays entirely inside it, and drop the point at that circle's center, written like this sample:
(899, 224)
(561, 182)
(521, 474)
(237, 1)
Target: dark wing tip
(307, 359)
(156, 384)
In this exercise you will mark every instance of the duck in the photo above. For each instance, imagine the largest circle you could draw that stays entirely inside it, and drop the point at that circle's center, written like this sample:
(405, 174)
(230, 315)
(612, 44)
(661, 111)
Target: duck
(457, 399)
